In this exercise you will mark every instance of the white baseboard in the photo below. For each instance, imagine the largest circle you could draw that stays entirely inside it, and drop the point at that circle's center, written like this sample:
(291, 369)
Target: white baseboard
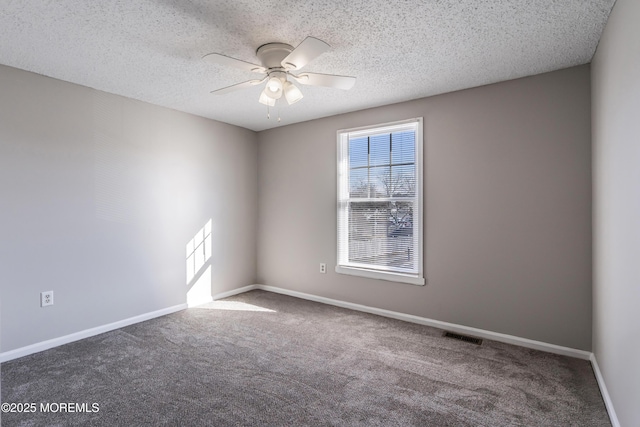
(55, 342)
(480, 333)
(197, 302)
(234, 292)
(605, 393)
(221, 295)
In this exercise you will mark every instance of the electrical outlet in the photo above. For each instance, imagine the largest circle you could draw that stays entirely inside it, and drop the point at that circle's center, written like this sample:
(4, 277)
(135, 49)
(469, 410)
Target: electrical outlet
(46, 298)
(323, 267)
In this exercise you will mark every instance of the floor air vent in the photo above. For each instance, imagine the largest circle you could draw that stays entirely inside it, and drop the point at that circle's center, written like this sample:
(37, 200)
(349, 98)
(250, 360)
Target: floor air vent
(472, 340)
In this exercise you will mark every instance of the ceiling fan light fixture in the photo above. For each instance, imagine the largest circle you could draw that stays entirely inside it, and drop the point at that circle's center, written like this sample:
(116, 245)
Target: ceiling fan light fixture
(274, 85)
(277, 61)
(265, 99)
(292, 93)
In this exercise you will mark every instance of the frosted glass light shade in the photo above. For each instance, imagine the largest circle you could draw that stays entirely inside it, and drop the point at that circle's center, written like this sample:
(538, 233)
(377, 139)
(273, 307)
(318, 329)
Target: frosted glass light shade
(274, 88)
(292, 93)
(274, 84)
(266, 100)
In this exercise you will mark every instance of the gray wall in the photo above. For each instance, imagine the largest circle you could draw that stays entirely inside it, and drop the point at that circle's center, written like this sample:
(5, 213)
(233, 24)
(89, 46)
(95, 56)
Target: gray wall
(507, 209)
(616, 140)
(99, 195)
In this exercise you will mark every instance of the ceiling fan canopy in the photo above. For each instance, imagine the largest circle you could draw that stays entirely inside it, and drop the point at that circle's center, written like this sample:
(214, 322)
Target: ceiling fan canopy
(279, 60)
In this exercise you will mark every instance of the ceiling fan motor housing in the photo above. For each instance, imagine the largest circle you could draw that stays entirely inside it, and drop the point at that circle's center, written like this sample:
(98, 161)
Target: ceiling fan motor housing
(272, 54)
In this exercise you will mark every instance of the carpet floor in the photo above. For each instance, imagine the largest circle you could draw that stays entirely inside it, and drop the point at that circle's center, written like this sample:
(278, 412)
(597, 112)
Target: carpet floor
(264, 359)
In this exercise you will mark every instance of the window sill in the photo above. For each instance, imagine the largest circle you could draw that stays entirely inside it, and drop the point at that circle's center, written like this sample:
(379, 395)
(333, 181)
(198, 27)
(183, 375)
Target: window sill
(381, 275)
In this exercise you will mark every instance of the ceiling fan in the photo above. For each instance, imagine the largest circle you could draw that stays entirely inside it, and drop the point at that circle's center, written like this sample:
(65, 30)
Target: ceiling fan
(279, 60)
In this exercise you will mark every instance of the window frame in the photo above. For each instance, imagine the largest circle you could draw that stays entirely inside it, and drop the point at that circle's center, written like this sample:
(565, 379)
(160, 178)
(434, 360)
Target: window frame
(342, 188)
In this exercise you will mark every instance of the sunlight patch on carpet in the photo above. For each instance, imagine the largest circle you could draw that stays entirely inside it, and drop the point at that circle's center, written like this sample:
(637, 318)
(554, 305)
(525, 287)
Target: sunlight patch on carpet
(235, 305)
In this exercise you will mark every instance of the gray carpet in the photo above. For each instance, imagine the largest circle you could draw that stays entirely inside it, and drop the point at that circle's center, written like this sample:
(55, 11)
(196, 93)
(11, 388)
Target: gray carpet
(263, 359)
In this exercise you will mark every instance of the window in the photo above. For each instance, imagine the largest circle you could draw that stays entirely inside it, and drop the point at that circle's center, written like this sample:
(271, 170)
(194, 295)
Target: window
(380, 202)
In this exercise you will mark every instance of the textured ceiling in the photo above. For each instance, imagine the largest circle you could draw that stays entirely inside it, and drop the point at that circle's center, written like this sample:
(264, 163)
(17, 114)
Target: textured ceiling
(151, 50)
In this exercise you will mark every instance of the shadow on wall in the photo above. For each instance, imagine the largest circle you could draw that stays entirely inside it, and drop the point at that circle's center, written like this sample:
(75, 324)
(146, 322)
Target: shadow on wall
(198, 256)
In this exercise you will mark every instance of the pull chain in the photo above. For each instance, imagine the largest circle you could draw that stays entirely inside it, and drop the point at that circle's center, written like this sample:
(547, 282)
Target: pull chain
(277, 112)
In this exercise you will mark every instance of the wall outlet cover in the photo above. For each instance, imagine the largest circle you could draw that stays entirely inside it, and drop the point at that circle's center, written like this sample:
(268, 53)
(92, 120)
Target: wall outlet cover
(46, 298)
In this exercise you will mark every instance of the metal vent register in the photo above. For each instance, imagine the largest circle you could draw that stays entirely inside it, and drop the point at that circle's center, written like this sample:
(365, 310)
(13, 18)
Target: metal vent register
(465, 338)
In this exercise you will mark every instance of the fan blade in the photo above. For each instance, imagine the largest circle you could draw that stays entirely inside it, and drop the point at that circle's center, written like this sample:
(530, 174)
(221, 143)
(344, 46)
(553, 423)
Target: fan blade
(238, 86)
(216, 58)
(328, 80)
(309, 49)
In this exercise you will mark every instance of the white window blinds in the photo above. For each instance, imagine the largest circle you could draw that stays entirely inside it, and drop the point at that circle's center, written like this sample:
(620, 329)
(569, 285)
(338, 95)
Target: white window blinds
(379, 200)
